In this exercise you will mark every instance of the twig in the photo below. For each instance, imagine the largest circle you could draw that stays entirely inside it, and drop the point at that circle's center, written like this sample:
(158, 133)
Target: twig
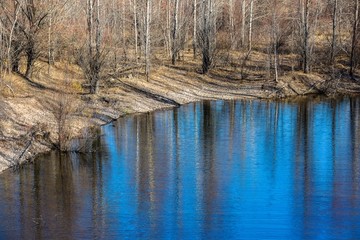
(28, 145)
(9, 87)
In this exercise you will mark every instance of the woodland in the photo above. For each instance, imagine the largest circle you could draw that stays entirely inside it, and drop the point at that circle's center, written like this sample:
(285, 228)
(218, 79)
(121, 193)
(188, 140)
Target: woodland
(105, 37)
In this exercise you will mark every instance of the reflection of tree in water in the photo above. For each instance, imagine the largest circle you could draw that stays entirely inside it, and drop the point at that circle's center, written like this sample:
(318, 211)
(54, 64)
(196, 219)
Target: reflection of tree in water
(302, 136)
(50, 207)
(145, 165)
(341, 177)
(66, 194)
(208, 166)
(303, 186)
(231, 132)
(355, 132)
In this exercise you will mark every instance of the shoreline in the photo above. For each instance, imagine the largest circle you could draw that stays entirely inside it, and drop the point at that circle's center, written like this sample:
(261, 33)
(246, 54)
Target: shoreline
(32, 121)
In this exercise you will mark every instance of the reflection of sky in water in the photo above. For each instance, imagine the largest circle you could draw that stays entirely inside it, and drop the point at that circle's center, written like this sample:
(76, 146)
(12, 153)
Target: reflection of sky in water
(218, 170)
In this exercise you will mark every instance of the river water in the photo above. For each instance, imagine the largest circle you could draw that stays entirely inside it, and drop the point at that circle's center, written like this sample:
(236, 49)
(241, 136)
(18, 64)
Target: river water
(211, 170)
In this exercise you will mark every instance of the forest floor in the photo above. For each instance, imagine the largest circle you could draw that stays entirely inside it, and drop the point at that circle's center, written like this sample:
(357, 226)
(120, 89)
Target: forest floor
(31, 110)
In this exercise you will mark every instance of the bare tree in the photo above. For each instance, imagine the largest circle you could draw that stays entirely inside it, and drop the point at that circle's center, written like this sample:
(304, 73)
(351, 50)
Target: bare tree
(34, 17)
(274, 36)
(243, 21)
(10, 13)
(174, 35)
(30, 29)
(251, 19)
(135, 29)
(91, 60)
(147, 38)
(232, 24)
(334, 28)
(13, 54)
(207, 34)
(306, 30)
(309, 16)
(194, 27)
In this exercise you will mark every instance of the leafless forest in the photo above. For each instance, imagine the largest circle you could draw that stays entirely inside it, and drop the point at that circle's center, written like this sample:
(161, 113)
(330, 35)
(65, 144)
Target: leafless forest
(109, 36)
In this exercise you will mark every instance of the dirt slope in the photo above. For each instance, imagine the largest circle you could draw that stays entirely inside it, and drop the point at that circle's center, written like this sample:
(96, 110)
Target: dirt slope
(29, 108)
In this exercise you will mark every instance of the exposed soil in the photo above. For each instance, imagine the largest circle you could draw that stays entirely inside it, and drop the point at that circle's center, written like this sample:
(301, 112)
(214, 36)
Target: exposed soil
(28, 122)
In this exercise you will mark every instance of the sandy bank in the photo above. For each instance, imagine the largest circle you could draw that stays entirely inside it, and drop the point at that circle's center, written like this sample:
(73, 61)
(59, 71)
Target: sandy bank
(28, 122)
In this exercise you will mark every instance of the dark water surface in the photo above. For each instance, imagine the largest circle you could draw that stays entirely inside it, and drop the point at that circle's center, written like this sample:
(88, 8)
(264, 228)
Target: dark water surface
(213, 170)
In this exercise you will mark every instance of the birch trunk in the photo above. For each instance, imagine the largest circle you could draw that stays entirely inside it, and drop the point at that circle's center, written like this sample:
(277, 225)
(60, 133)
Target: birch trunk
(243, 15)
(305, 15)
(334, 27)
(232, 24)
(135, 30)
(250, 24)
(168, 27)
(98, 46)
(147, 39)
(13, 64)
(174, 39)
(275, 36)
(194, 29)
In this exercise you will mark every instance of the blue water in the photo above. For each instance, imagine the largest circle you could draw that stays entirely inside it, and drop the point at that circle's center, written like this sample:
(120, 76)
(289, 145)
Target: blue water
(212, 170)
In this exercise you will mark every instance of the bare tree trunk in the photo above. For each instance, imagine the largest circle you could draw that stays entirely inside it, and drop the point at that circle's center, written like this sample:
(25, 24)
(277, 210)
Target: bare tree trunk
(30, 43)
(93, 62)
(250, 24)
(207, 34)
(194, 29)
(123, 13)
(98, 46)
(243, 15)
(90, 20)
(305, 13)
(90, 23)
(334, 26)
(13, 57)
(49, 44)
(147, 39)
(275, 36)
(135, 30)
(232, 24)
(174, 39)
(354, 38)
(30, 55)
(168, 27)
(206, 61)
(213, 25)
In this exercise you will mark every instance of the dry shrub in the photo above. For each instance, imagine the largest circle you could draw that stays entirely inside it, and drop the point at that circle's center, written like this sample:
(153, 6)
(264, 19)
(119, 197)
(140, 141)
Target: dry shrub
(85, 142)
(66, 104)
(223, 41)
(62, 109)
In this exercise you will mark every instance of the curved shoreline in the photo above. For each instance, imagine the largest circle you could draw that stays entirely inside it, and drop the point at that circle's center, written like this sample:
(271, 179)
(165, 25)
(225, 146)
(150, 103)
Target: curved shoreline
(31, 122)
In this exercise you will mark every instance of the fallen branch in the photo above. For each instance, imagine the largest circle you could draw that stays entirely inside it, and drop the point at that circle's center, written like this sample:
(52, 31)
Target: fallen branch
(293, 89)
(120, 71)
(151, 95)
(32, 134)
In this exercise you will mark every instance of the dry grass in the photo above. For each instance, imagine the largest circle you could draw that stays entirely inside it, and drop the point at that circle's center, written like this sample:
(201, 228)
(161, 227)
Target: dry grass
(36, 102)
(12, 85)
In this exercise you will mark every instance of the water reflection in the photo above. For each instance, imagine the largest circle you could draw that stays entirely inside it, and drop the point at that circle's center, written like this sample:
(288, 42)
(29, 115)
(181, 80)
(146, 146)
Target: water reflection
(242, 169)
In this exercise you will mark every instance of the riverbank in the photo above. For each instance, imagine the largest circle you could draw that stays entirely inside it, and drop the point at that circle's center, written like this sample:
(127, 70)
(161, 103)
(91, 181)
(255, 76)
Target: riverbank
(33, 111)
